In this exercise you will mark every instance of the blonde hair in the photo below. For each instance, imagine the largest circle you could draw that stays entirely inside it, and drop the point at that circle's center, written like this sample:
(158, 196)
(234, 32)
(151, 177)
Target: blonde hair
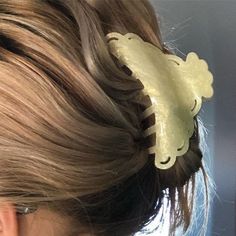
(71, 137)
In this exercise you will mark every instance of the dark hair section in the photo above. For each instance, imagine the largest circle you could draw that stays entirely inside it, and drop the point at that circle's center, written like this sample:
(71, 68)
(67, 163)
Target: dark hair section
(72, 116)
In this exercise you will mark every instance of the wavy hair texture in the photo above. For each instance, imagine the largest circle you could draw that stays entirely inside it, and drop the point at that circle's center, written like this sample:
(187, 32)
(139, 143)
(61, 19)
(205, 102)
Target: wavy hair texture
(71, 138)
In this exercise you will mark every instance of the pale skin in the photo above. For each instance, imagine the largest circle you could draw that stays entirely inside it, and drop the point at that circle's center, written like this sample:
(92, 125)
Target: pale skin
(40, 223)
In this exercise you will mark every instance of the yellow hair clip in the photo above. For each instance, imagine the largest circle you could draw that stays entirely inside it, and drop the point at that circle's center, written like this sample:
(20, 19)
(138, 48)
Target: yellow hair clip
(175, 87)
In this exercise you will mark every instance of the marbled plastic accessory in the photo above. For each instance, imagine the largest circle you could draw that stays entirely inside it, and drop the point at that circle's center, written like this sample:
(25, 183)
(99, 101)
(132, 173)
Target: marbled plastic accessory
(176, 89)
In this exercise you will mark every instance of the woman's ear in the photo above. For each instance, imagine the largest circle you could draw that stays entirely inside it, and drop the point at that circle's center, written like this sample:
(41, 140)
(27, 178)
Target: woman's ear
(8, 220)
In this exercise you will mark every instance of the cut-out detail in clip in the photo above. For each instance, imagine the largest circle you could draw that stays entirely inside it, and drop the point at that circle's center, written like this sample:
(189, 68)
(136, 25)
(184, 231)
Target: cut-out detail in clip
(176, 89)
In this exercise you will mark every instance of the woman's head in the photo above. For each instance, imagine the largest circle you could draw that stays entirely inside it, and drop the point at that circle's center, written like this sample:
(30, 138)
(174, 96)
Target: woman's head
(71, 137)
